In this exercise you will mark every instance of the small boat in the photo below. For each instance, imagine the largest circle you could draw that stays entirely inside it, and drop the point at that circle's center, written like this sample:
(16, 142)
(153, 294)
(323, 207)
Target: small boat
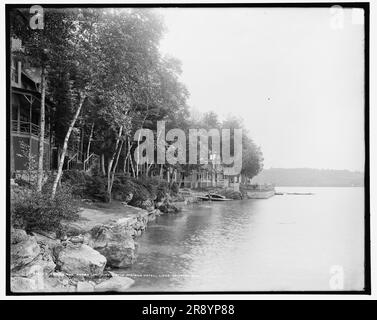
(213, 197)
(300, 193)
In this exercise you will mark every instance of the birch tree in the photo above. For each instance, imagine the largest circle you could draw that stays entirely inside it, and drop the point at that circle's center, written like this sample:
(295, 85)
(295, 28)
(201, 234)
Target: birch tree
(82, 60)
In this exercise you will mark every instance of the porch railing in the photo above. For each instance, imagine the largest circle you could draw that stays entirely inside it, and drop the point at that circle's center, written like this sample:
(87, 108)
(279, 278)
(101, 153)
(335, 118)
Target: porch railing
(29, 128)
(90, 161)
(71, 161)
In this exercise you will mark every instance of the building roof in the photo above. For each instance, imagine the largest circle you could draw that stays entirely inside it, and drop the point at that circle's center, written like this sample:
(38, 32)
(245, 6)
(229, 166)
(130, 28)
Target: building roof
(33, 74)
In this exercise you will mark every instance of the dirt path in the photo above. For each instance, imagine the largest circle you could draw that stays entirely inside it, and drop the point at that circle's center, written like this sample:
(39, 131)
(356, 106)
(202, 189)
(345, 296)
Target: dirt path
(102, 213)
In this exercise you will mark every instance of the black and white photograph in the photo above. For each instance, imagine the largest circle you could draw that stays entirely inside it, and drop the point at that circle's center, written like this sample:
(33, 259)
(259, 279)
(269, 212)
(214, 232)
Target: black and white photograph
(174, 148)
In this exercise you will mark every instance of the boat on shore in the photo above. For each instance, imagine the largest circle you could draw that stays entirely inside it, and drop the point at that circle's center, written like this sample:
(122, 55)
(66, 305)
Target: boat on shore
(300, 193)
(213, 197)
(294, 193)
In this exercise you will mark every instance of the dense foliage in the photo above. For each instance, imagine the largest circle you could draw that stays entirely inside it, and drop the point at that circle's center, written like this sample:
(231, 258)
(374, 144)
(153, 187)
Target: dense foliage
(144, 188)
(37, 211)
(106, 78)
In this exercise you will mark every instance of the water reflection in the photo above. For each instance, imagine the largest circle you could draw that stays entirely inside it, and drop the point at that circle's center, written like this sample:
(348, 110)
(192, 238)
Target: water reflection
(283, 243)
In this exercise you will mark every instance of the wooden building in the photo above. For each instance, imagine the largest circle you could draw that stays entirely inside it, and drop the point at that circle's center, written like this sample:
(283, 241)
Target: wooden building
(25, 117)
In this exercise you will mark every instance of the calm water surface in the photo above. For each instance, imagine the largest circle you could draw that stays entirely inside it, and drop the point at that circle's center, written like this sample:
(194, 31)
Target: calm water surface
(287, 242)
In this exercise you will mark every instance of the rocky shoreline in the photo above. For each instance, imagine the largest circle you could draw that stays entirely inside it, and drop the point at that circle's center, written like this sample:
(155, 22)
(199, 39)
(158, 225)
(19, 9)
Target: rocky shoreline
(80, 260)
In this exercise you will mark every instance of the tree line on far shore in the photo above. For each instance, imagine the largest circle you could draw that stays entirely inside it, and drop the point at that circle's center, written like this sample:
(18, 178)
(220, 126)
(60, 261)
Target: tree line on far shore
(306, 177)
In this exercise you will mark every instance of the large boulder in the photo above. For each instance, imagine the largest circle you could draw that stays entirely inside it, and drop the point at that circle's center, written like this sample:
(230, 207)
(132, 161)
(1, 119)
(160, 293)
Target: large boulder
(47, 240)
(28, 279)
(147, 204)
(42, 265)
(21, 284)
(115, 242)
(31, 270)
(167, 207)
(24, 248)
(45, 259)
(31, 277)
(143, 203)
(18, 235)
(115, 284)
(141, 222)
(79, 259)
(31, 262)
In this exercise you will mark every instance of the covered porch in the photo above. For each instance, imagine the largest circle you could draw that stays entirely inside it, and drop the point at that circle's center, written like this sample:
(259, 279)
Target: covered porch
(25, 128)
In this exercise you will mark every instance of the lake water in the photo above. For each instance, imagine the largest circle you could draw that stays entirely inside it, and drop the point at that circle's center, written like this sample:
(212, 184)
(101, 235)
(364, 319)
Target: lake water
(288, 242)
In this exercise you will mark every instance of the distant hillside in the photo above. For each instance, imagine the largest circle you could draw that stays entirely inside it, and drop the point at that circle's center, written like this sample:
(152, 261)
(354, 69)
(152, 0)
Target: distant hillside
(310, 177)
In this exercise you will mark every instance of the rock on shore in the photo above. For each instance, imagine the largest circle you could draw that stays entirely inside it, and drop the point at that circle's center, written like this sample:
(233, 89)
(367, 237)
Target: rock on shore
(75, 262)
(115, 242)
(30, 263)
(79, 259)
(43, 263)
(24, 248)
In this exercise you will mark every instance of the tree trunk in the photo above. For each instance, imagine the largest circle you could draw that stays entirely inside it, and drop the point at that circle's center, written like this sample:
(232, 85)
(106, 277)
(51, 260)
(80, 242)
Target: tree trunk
(161, 171)
(125, 161)
(130, 158)
(90, 140)
(179, 179)
(42, 132)
(138, 155)
(82, 136)
(115, 166)
(65, 146)
(109, 168)
(132, 168)
(149, 167)
(126, 166)
(103, 164)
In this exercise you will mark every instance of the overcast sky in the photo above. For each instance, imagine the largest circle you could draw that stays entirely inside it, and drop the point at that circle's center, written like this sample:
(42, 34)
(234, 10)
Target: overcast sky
(296, 81)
